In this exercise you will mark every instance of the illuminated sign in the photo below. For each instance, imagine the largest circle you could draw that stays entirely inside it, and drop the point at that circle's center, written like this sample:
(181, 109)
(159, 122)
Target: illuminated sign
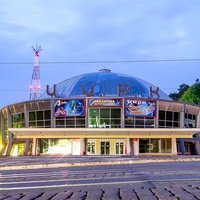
(140, 108)
(105, 102)
(70, 107)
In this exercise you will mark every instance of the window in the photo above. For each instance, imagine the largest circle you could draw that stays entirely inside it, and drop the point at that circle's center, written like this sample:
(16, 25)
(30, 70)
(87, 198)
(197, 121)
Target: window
(190, 120)
(155, 145)
(105, 147)
(70, 122)
(18, 120)
(55, 146)
(187, 148)
(104, 117)
(90, 147)
(40, 119)
(139, 122)
(166, 145)
(169, 119)
(178, 148)
(119, 145)
(5, 127)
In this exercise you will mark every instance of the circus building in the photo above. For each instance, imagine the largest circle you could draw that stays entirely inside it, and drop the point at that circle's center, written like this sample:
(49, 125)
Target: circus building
(100, 113)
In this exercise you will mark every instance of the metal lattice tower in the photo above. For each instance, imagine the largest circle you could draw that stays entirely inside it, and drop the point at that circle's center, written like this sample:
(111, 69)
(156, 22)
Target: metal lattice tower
(35, 81)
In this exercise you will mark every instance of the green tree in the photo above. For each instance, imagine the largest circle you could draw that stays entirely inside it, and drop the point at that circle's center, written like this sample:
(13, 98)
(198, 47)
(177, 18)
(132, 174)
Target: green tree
(177, 95)
(192, 95)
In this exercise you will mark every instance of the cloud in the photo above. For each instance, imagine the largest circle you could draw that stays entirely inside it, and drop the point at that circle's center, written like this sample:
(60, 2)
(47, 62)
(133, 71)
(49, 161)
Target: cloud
(84, 30)
(38, 17)
(135, 26)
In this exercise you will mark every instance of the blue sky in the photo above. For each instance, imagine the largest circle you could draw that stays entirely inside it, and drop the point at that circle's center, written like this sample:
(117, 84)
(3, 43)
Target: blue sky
(98, 30)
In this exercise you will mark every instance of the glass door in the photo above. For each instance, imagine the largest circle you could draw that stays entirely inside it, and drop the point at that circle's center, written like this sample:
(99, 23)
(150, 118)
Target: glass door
(105, 148)
(119, 147)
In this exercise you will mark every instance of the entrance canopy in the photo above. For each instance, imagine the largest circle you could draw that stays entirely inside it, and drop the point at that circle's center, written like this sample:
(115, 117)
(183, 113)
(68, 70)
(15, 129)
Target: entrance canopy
(103, 132)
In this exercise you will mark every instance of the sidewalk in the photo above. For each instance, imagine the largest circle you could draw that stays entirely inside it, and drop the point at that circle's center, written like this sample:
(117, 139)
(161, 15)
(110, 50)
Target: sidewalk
(36, 162)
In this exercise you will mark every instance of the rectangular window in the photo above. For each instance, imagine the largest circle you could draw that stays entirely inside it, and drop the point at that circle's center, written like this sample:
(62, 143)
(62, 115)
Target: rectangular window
(139, 122)
(115, 113)
(47, 114)
(169, 116)
(32, 116)
(40, 119)
(166, 145)
(80, 122)
(163, 145)
(162, 115)
(5, 134)
(47, 124)
(154, 145)
(60, 123)
(169, 119)
(104, 118)
(70, 122)
(40, 124)
(176, 116)
(90, 147)
(105, 113)
(120, 146)
(18, 120)
(105, 148)
(187, 148)
(39, 115)
(190, 121)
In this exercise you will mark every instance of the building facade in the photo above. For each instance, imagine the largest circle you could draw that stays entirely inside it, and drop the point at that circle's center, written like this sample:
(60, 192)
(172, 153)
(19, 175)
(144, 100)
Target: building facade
(101, 113)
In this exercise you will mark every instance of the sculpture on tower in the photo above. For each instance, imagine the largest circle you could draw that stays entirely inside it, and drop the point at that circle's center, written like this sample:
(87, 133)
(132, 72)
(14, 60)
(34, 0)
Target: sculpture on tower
(35, 81)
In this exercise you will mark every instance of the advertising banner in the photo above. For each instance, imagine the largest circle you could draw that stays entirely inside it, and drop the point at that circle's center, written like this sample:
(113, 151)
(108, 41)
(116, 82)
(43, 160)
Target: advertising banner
(140, 108)
(105, 102)
(69, 107)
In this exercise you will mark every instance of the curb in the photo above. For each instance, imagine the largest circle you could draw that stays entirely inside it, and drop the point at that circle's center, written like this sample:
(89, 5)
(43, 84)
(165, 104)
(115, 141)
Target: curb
(100, 163)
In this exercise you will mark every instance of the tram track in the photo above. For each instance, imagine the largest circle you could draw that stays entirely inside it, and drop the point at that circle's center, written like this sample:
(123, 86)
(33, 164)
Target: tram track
(119, 182)
(101, 179)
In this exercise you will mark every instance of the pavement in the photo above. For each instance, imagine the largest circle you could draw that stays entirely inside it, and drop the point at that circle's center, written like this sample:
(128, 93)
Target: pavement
(101, 178)
(37, 162)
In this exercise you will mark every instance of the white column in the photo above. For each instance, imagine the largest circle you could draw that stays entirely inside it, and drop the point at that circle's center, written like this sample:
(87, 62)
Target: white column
(3, 149)
(27, 146)
(156, 120)
(159, 146)
(136, 147)
(34, 147)
(52, 112)
(198, 120)
(182, 119)
(10, 135)
(83, 150)
(174, 146)
(122, 113)
(128, 146)
(76, 147)
(27, 141)
(10, 144)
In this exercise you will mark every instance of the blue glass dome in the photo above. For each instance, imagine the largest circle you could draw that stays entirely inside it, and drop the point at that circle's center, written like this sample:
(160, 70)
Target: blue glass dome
(104, 84)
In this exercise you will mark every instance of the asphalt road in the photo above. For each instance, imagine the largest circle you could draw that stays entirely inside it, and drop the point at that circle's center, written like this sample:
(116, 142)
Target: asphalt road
(149, 181)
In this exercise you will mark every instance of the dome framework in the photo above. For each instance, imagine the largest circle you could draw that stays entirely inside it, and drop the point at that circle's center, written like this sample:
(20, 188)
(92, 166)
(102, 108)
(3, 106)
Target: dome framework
(105, 84)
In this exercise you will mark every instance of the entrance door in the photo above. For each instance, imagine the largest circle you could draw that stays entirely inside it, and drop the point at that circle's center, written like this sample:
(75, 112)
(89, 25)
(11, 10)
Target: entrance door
(119, 147)
(105, 148)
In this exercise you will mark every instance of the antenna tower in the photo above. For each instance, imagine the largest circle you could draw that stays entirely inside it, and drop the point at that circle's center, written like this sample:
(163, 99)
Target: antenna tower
(35, 81)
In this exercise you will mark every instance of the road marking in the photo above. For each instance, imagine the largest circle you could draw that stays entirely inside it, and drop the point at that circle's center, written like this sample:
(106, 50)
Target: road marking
(68, 172)
(82, 179)
(95, 184)
(61, 180)
(103, 171)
